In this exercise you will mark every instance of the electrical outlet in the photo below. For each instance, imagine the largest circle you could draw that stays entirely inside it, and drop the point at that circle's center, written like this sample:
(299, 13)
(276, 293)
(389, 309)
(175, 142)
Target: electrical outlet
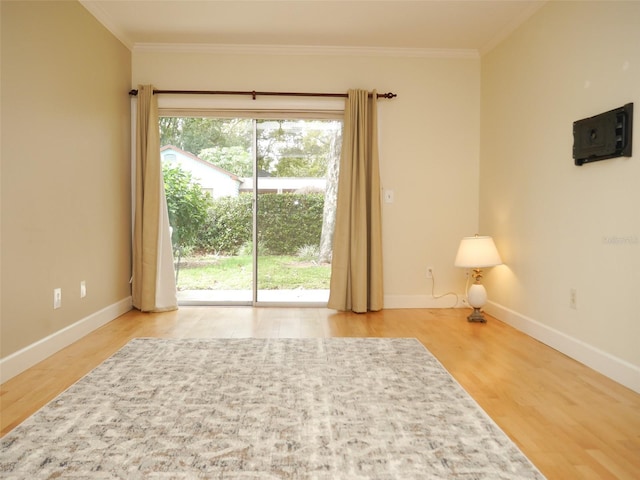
(573, 298)
(83, 289)
(57, 298)
(429, 272)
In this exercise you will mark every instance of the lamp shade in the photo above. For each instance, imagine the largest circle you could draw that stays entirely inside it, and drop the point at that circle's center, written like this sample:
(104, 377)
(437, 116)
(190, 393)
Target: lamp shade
(477, 252)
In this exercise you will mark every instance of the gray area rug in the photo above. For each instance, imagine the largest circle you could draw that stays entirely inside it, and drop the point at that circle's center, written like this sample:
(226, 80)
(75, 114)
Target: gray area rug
(332, 408)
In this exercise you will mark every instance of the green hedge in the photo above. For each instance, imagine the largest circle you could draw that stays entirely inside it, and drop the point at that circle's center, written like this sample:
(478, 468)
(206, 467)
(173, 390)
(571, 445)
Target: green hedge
(286, 222)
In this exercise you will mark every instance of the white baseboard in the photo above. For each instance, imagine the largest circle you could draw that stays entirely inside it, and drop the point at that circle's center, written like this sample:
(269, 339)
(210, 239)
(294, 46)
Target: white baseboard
(613, 367)
(424, 301)
(21, 360)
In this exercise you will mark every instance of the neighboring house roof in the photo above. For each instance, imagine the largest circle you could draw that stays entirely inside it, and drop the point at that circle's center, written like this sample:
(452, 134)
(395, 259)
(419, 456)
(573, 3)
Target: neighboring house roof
(203, 162)
(284, 184)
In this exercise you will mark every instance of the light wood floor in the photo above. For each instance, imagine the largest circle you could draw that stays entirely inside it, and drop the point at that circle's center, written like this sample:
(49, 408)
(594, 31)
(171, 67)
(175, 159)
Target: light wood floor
(572, 422)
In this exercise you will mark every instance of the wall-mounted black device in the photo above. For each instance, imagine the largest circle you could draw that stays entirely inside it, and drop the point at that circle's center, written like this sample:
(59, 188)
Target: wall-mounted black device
(603, 136)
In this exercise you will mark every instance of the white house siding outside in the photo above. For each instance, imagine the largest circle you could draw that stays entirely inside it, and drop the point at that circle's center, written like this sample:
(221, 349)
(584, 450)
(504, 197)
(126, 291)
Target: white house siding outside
(217, 181)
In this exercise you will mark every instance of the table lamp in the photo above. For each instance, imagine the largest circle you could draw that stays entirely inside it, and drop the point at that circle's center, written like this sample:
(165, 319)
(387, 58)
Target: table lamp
(477, 253)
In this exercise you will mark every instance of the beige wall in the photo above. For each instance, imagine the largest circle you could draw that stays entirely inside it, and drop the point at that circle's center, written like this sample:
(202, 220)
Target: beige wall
(429, 143)
(65, 168)
(558, 226)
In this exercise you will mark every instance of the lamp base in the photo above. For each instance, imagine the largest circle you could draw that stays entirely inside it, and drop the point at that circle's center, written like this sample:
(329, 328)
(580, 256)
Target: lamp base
(477, 316)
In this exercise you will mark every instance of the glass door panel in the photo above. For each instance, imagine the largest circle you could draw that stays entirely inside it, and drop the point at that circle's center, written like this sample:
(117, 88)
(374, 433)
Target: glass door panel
(205, 163)
(295, 208)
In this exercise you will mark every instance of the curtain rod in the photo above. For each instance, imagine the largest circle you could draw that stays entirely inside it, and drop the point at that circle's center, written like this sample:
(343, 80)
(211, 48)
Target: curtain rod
(254, 94)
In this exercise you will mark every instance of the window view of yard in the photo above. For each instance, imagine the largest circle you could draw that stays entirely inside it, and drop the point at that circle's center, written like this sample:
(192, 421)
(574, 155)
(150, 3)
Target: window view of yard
(215, 199)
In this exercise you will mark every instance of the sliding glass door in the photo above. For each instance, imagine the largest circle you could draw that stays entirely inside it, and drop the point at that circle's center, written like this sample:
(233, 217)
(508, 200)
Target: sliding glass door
(252, 205)
(205, 162)
(295, 206)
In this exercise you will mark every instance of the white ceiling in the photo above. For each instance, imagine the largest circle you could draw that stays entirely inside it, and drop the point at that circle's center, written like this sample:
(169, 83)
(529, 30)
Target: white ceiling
(471, 25)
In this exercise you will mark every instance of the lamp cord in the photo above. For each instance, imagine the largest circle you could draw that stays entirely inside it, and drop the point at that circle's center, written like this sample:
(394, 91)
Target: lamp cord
(436, 297)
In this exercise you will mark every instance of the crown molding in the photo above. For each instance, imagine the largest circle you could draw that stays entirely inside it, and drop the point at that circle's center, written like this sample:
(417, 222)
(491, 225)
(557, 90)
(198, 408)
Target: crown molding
(107, 22)
(304, 50)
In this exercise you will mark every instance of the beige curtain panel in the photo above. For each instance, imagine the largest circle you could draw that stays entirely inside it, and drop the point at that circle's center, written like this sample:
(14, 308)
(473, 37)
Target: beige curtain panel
(356, 267)
(153, 281)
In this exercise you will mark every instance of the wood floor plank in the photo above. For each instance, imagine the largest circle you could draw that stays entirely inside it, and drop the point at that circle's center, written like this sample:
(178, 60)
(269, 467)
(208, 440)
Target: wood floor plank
(572, 422)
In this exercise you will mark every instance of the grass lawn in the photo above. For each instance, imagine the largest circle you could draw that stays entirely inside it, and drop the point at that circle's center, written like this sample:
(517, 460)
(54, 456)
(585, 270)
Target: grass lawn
(235, 273)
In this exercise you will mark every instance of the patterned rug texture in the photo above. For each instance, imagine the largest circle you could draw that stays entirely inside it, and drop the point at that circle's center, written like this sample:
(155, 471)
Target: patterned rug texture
(331, 408)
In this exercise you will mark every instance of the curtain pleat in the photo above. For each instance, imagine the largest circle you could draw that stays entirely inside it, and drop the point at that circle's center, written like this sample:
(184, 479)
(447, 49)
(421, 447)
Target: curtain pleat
(356, 267)
(153, 281)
